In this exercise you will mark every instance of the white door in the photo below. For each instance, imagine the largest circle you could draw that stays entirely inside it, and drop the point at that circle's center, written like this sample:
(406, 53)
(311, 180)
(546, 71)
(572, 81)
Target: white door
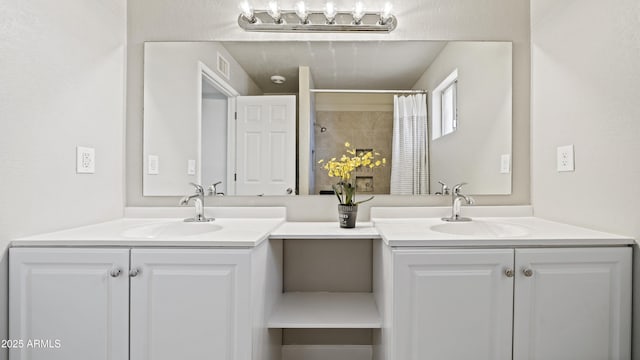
(574, 304)
(74, 302)
(453, 304)
(266, 145)
(190, 304)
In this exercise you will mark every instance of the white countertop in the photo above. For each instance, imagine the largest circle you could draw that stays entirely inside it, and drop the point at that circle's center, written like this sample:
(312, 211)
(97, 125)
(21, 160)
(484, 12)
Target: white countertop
(525, 231)
(235, 227)
(251, 226)
(324, 230)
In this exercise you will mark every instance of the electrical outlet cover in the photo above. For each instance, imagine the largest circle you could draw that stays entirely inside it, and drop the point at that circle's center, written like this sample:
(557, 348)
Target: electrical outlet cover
(85, 160)
(191, 167)
(565, 161)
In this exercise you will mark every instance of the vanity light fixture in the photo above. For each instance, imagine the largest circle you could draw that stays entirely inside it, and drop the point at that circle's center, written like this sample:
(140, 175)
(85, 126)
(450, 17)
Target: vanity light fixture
(358, 13)
(274, 12)
(301, 11)
(329, 19)
(246, 12)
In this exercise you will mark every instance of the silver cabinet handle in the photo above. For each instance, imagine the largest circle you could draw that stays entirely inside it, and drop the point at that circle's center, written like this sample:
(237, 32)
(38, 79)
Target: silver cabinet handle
(509, 272)
(134, 272)
(115, 272)
(527, 272)
(289, 191)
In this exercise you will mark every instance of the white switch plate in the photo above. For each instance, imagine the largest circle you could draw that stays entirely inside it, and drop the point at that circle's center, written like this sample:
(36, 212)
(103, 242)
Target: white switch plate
(565, 160)
(505, 163)
(191, 167)
(85, 160)
(153, 165)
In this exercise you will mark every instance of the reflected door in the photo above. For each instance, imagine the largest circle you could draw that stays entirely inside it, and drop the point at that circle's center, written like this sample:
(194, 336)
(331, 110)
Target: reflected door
(265, 145)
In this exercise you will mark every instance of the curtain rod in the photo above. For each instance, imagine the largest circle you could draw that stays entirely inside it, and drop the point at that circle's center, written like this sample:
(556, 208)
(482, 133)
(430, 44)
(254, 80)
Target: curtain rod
(368, 91)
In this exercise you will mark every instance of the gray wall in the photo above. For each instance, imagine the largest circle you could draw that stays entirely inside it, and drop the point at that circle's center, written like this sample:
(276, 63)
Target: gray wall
(62, 71)
(586, 86)
(504, 20)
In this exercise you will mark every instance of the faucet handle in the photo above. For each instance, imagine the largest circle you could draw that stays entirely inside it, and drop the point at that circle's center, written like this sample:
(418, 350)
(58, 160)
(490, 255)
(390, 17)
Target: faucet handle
(444, 188)
(213, 189)
(199, 188)
(457, 188)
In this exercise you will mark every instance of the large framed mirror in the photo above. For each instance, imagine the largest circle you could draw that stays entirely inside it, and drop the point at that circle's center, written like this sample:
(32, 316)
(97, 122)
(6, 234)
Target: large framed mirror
(256, 117)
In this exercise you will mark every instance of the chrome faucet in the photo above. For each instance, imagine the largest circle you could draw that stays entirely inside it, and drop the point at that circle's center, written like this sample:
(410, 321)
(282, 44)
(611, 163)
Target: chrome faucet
(198, 202)
(456, 198)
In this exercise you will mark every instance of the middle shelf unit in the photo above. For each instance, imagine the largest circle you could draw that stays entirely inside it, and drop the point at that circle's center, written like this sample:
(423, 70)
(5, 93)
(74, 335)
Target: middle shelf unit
(326, 310)
(327, 277)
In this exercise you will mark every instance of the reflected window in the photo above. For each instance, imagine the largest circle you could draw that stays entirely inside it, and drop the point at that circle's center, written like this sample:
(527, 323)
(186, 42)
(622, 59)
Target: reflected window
(444, 106)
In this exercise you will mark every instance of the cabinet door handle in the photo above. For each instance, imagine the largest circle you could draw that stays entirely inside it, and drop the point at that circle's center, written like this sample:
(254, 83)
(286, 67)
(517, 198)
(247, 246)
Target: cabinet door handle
(115, 272)
(527, 272)
(509, 272)
(134, 272)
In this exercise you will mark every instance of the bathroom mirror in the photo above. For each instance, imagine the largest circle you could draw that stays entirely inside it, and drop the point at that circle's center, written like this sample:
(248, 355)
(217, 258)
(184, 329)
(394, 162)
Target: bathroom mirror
(252, 116)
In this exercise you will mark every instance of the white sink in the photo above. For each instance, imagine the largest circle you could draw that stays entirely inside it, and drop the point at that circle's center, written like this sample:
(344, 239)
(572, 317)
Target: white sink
(171, 230)
(481, 228)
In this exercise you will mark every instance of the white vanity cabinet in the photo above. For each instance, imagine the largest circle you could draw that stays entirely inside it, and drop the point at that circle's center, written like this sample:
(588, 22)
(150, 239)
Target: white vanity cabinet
(550, 303)
(77, 299)
(138, 304)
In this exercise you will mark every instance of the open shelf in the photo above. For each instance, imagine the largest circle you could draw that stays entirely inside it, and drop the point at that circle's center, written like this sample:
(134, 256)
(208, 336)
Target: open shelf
(326, 310)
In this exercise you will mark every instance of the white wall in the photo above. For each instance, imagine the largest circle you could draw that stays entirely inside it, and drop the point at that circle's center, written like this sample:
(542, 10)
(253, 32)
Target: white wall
(499, 20)
(472, 152)
(586, 87)
(171, 118)
(62, 71)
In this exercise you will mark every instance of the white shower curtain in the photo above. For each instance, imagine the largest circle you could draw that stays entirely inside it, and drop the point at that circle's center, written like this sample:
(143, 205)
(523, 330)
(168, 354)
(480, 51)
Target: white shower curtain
(409, 158)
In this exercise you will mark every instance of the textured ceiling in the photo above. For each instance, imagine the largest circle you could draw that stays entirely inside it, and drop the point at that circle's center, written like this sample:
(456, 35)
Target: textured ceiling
(392, 65)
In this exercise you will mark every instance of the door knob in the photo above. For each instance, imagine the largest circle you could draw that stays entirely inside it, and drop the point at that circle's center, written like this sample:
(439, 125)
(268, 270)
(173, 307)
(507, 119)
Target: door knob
(134, 272)
(527, 272)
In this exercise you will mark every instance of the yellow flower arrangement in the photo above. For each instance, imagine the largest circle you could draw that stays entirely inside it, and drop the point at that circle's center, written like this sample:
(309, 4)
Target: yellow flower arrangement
(344, 168)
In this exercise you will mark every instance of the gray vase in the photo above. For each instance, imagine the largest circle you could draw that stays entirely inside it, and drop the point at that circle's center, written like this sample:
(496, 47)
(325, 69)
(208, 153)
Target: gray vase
(347, 215)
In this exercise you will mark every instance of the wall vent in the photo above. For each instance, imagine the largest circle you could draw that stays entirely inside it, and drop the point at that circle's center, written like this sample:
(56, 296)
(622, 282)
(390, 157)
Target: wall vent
(223, 66)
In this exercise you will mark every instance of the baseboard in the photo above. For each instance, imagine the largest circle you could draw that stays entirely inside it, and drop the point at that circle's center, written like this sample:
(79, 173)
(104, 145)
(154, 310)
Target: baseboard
(327, 352)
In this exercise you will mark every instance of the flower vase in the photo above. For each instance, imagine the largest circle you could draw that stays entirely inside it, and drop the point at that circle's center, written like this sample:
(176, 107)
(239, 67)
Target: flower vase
(347, 215)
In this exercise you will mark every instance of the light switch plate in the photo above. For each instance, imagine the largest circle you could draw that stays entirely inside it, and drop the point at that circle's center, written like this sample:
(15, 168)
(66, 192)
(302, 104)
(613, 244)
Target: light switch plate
(85, 160)
(191, 167)
(153, 165)
(565, 160)
(505, 163)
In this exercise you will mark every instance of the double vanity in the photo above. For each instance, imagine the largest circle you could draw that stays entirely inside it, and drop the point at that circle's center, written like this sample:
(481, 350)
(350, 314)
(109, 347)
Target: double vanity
(150, 286)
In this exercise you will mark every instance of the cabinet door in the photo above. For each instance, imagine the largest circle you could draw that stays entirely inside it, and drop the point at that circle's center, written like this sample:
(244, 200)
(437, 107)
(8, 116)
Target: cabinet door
(69, 303)
(452, 304)
(190, 304)
(575, 304)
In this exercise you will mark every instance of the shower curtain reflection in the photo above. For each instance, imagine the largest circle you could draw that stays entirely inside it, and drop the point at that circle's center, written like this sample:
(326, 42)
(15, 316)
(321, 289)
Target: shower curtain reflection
(410, 157)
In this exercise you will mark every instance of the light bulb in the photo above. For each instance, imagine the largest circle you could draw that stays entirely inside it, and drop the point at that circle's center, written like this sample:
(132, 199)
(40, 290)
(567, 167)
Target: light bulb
(385, 14)
(330, 12)
(274, 12)
(301, 11)
(247, 11)
(358, 12)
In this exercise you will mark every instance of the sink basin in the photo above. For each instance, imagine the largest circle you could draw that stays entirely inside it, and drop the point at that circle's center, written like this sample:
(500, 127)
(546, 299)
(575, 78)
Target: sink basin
(481, 228)
(171, 230)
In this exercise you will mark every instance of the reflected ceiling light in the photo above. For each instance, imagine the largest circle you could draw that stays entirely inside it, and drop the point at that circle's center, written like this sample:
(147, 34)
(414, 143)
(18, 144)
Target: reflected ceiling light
(301, 11)
(274, 12)
(358, 13)
(329, 19)
(247, 12)
(278, 79)
(330, 12)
